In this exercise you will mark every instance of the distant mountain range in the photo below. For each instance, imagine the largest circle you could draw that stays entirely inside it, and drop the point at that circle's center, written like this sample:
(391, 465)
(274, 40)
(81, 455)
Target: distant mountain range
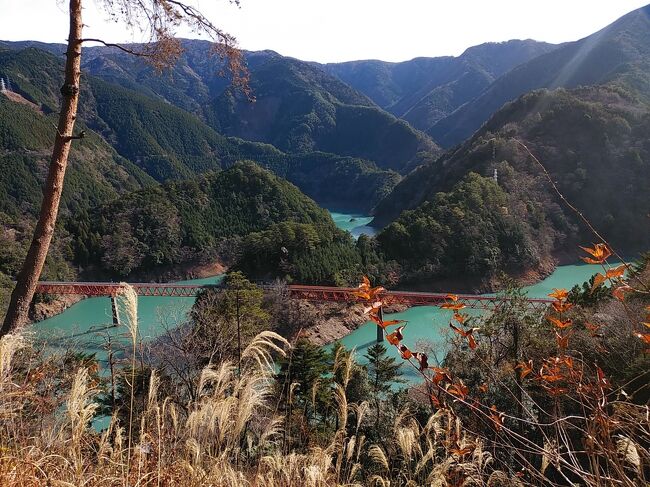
(299, 108)
(361, 135)
(425, 90)
(617, 53)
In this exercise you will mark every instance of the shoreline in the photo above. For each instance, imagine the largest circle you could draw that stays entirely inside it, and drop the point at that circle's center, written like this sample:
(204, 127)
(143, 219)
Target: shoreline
(333, 323)
(328, 322)
(43, 310)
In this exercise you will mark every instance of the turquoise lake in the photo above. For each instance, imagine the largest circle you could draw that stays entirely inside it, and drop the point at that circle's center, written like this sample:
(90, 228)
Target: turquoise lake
(428, 325)
(88, 324)
(354, 223)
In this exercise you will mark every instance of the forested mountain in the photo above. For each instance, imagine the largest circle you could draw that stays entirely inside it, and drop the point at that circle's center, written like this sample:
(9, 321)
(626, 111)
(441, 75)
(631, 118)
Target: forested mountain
(96, 173)
(425, 90)
(213, 216)
(298, 107)
(594, 143)
(618, 53)
(131, 141)
(168, 142)
(593, 140)
(448, 216)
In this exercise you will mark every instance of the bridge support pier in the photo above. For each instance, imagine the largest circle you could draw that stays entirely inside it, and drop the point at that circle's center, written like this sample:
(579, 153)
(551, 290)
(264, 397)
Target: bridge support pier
(115, 311)
(380, 330)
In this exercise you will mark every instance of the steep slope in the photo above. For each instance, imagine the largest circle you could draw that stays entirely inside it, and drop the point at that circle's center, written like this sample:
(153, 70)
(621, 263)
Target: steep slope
(618, 53)
(187, 221)
(425, 90)
(169, 143)
(594, 143)
(299, 108)
(96, 173)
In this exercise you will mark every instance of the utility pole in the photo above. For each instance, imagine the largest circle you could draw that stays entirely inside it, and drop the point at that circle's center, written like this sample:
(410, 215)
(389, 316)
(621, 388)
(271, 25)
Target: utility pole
(380, 330)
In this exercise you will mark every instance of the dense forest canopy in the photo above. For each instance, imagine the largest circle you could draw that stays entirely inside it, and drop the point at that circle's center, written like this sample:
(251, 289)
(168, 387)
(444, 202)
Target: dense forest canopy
(326, 128)
(593, 141)
(178, 172)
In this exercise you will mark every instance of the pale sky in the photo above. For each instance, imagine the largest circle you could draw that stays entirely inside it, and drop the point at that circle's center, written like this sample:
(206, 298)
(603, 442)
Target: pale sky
(344, 30)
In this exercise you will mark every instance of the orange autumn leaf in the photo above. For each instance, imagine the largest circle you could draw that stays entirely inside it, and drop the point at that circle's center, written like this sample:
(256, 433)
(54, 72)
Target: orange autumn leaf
(466, 334)
(365, 291)
(393, 322)
(376, 319)
(559, 294)
(362, 295)
(562, 341)
(459, 390)
(600, 252)
(376, 290)
(395, 337)
(598, 280)
(483, 388)
(551, 376)
(557, 391)
(562, 306)
(568, 361)
(460, 318)
(496, 417)
(647, 325)
(440, 375)
(365, 282)
(405, 352)
(453, 297)
(619, 292)
(460, 331)
(616, 272)
(561, 324)
(373, 308)
(455, 306)
(593, 329)
(526, 368)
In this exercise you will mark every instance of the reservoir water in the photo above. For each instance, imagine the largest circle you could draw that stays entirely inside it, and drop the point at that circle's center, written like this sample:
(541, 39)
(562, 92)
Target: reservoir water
(354, 223)
(87, 325)
(428, 326)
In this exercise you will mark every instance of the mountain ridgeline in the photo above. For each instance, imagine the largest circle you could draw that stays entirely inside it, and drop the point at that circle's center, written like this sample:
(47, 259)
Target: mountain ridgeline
(298, 107)
(174, 167)
(423, 91)
(619, 53)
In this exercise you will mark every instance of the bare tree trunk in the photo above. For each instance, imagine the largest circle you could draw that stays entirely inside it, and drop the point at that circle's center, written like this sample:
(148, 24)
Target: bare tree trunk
(17, 314)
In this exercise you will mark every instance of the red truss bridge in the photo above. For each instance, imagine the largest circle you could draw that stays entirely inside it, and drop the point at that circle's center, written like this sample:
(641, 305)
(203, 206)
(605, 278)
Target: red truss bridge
(309, 293)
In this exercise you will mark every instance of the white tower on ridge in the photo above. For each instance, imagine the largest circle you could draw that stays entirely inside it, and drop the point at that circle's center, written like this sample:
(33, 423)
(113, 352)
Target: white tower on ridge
(3, 88)
(495, 176)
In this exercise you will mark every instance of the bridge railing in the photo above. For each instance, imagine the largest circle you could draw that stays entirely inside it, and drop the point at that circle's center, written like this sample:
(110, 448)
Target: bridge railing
(295, 291)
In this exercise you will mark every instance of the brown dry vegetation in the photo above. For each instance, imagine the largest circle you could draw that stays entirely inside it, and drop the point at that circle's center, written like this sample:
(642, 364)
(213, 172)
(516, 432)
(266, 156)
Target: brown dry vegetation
(478, 421)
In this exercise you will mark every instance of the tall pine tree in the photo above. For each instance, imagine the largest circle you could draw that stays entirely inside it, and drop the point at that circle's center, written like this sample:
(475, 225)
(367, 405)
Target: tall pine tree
(383, 373)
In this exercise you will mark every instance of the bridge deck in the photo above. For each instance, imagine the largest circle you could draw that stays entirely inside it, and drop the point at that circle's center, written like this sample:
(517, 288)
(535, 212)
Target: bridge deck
(310, 293)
